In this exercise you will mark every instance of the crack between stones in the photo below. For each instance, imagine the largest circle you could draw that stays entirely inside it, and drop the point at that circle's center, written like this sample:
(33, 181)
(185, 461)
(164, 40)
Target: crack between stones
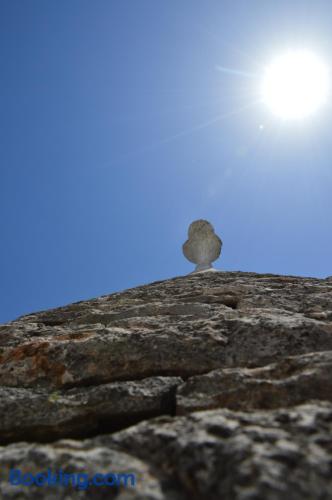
(90, 425)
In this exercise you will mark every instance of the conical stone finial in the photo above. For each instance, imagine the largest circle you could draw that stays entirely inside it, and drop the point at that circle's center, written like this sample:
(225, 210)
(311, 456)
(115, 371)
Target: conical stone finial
(203, 246)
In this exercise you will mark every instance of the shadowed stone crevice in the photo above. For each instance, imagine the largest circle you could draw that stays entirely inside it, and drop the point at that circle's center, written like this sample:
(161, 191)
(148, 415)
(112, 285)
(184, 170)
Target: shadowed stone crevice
(80, 413)
(228, 300)
(92, 425)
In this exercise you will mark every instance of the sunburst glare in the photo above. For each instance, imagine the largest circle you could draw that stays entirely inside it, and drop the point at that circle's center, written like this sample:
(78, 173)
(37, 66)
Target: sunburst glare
(295, 84)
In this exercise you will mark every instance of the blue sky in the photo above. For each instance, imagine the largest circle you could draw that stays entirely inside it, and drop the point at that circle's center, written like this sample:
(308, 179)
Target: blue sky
(118, 129)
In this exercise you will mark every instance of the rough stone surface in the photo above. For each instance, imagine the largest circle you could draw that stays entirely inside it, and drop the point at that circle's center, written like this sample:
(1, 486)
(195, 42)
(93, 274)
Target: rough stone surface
(180, 327)
(277, 454)
(291, 381)
(220, 454)
(253, 350)
(80, 458)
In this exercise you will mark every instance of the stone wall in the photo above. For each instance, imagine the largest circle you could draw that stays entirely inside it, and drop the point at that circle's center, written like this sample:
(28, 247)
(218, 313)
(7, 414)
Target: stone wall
(212, 385)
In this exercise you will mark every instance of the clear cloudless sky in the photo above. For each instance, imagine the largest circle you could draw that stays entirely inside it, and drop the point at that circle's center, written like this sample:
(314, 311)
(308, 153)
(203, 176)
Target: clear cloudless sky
(118, 128)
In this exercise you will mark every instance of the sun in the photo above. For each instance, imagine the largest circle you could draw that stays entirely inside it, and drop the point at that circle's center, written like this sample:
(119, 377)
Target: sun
(295, 84)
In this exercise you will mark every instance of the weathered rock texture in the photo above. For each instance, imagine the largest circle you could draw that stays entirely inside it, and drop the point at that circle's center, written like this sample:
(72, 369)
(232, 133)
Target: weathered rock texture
(253, 351)
(291, 381)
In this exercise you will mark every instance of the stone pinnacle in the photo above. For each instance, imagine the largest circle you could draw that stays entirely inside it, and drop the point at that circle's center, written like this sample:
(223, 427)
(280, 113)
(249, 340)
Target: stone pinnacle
(203, 246)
